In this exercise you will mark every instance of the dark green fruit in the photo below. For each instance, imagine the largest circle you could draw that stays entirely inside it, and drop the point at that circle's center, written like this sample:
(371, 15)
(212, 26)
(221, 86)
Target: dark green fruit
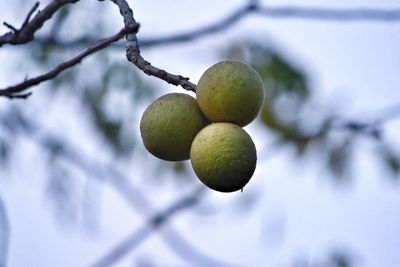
(223, 156)
(230, 91)
(169, 125)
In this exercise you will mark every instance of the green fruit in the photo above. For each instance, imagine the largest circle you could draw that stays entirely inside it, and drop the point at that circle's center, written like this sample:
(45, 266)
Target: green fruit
(223, 156)
(230, 91)
(169, 125)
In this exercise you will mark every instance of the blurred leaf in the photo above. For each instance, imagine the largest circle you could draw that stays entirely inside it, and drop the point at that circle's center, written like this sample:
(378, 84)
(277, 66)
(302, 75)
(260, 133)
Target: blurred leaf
(41, 53)
(54, 147)
(122, 76)
(4, 153)
(113, 100)
(62, 193)
(390, 160)
(110, 129)
(59, 19)
(339, 157)
(270, 119)
(68, 77)
(279, 74)
(336, 258)
(339, 258)
(281, 77)
(286, 90)
(180, 167)
(284, 110)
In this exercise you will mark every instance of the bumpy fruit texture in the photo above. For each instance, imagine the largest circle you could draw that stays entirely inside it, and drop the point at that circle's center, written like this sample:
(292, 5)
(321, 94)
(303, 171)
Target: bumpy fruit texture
(230, 91)
(223, 156)
(169, 125)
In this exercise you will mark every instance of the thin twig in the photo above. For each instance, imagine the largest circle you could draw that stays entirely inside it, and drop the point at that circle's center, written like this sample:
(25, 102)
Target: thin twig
(30, 13)
(133, 52)
(11, 27)
(15, 90)
(27, 31)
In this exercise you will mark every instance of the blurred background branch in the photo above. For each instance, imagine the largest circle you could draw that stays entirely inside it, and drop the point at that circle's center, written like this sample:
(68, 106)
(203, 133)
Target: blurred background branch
(15, 91)
(250, 8)
(331, 14)
(4, 234)
(26, 33)
(15, 122)
(157, 221)
(124, 186)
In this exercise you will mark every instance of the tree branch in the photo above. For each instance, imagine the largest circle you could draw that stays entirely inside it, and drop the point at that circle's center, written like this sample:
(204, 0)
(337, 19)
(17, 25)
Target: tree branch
(283, 12)
(371, 128)
(133, 52)
(27, 31)
(15, 90)
(332, 14)
(218, 26)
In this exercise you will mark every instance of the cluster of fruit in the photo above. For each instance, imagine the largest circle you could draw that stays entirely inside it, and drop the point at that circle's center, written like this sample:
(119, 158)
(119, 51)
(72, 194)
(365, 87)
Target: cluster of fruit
(209, 131)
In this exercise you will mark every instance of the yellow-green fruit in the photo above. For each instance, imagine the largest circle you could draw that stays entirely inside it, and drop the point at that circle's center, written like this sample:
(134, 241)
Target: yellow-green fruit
(230, 91)
(169, 125)
(223, 156)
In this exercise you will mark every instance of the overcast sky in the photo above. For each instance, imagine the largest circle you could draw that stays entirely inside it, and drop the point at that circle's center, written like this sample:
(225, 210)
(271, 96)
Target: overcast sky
(298, 212)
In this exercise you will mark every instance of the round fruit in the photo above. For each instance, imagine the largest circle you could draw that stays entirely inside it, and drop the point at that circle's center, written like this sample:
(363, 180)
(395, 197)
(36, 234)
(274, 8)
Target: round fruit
(230, 91)
(169, 125)
(223, 156)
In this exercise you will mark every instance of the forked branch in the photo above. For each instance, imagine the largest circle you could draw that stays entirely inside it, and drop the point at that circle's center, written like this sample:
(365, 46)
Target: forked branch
(133, 52)
(17, 91)
(27, 31)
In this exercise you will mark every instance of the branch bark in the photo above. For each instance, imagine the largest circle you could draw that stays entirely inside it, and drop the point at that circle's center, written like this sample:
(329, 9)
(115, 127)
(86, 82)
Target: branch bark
(15, 90)
(133, 52)
(28, 28)
(27, 31)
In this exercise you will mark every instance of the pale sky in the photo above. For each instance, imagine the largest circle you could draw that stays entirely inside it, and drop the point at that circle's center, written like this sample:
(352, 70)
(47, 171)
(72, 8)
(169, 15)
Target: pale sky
(298, 213)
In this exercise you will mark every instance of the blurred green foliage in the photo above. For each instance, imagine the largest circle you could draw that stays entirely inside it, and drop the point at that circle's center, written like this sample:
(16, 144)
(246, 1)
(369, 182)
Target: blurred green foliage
(287, 95)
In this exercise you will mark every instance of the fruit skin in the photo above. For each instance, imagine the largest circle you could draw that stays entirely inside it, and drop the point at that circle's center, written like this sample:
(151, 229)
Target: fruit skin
(223, 156)
(169, 125)
(230, 91)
